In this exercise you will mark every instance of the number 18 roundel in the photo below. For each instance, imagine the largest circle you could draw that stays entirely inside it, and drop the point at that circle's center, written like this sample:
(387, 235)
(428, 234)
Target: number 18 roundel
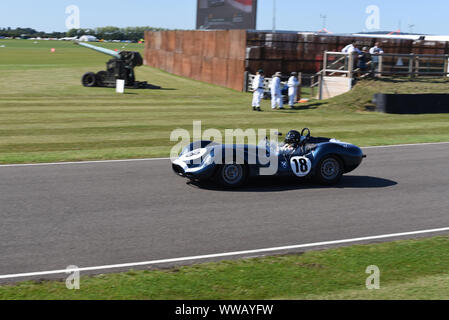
(301, 166)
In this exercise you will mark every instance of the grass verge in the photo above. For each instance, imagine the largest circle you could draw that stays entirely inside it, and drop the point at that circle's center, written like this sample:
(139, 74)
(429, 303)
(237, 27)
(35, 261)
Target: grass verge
(409, 269)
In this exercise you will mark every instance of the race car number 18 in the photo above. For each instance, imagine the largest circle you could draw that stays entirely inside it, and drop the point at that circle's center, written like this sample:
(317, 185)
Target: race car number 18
(301, 166)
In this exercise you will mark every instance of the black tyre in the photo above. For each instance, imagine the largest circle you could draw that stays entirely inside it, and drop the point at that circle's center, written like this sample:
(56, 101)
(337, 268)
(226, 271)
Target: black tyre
(101, 78)
(89, 79)
(329, 171)
(231, 175)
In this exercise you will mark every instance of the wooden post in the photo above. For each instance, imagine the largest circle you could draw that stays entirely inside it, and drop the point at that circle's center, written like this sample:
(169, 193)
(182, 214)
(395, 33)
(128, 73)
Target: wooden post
(325, 62)
(417, 66)
(446, 63)
(411, 63)
(312, 88)
(380, 67)
(346, 66)
(351, 66)
(320, 87)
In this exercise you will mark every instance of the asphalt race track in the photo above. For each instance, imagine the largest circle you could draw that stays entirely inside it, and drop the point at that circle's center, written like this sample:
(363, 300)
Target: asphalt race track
(105, 213)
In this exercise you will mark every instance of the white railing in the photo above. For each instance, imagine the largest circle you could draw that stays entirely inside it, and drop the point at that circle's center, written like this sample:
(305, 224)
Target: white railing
(386, 64)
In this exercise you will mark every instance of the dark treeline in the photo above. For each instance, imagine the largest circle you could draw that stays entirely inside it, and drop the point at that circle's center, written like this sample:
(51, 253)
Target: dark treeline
(106, 33)
(113, 33)
(29, 33)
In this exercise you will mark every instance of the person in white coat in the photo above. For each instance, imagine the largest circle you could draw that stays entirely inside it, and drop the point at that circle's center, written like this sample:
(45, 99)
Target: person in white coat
(258, 89)
(351, 48)
(293, 85)
(375, 52)
(276, 95)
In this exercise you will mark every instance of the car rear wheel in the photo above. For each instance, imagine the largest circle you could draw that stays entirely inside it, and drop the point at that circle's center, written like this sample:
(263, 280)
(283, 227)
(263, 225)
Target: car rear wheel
(231, 175)
(329, 170)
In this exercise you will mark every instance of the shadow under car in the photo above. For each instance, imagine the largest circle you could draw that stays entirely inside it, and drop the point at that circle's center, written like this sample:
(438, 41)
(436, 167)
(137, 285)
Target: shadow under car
(278, 184)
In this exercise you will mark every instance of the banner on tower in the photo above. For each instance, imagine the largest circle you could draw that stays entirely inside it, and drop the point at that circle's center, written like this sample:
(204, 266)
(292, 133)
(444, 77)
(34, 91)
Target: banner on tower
(226, 14)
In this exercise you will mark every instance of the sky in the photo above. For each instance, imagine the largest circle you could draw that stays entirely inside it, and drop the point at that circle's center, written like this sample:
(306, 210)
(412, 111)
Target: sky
(343, 16)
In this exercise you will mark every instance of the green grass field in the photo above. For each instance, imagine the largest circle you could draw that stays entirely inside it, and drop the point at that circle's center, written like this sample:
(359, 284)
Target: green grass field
(411, 269)
(46, 115)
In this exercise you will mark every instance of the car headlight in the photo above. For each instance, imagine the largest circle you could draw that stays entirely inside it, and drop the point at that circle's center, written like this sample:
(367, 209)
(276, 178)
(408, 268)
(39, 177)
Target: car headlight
(208, 160)
(194, 155)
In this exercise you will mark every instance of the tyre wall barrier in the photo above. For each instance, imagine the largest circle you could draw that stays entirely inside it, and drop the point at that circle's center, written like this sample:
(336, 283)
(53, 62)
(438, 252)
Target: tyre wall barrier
(411, 103)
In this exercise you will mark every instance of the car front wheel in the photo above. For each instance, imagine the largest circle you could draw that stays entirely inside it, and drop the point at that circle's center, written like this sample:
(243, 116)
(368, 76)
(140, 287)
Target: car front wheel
(329, 170)
(231, 175)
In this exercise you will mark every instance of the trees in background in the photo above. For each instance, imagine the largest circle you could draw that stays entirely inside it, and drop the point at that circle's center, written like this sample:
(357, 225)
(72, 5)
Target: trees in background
(29, 33)
(113, 33)
(106, 33)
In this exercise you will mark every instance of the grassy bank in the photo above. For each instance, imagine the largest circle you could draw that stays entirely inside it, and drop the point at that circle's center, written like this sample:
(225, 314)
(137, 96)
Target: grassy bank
(46, 115)
(409, 269)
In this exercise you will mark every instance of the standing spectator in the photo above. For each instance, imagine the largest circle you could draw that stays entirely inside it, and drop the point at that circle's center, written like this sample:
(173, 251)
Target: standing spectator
(346, 49)
(351, 48)
(375, 52)
(258, 88)
(293, 84)
(276, 95)
(363, 60)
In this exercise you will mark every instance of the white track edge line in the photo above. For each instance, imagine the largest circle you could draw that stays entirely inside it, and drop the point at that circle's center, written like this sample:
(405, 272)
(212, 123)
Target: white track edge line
(221, 255)
(79, 162)
(406, 145)
(156, 159)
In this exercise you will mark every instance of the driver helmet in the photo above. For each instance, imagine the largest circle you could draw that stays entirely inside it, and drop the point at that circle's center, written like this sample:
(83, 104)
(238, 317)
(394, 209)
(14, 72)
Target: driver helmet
(293, 138)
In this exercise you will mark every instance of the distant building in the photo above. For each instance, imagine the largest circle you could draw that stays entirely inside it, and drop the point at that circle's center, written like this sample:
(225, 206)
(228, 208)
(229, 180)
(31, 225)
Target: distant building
(87, 38)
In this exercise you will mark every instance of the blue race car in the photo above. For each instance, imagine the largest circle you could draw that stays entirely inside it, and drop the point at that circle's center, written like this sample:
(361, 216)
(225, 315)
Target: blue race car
(301, 156)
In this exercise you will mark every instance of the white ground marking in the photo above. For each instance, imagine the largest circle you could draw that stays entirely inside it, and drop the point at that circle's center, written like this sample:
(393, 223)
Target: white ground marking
(221, 255)
(78, 162)
(155, 159)
(406, 145)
